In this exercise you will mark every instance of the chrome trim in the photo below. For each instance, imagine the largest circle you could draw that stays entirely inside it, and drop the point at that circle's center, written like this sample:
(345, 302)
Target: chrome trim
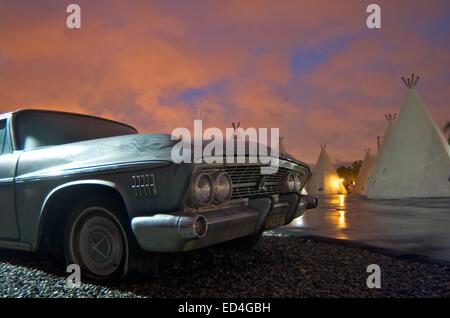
(298, 182)
(161, 232)
(216, 177)
(284, 185)
(192, 198)
(6, 180)
(167, 232)
(187, 227)
(285, 163)
(143, 185)
(310, 201)
(214, 207)
(15, 245)
(248, 180)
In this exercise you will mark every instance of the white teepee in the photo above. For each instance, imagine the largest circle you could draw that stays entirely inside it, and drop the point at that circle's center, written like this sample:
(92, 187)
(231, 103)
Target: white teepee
(236, 131)
(325, 179)
(281, 147)
(282, 150)
(390, 124)
(363, 173)
(414, 160)
(390, 118)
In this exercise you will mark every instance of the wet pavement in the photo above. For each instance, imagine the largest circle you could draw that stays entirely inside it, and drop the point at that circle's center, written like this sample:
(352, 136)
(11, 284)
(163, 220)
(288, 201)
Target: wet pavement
(407, 227)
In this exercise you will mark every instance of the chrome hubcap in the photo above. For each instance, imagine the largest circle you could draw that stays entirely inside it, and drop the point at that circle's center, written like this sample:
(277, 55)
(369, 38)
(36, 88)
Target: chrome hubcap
(99, 244)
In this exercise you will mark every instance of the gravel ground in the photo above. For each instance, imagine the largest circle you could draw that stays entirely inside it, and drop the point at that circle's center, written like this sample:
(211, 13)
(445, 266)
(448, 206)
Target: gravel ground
(278, 266)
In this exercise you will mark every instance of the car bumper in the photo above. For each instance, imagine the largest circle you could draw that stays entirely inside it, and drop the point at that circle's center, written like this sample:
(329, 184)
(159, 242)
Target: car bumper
(175, 232)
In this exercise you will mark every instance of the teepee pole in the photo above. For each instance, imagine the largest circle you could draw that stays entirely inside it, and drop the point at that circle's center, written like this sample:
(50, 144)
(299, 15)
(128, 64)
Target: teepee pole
(417, 79)
(404, 81)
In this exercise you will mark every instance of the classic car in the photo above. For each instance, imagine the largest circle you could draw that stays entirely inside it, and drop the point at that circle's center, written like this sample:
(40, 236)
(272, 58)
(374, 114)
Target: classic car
(104, 195)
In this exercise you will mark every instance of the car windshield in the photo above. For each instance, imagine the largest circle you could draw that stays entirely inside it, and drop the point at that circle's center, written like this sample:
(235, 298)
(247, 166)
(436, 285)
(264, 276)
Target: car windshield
(35, 129)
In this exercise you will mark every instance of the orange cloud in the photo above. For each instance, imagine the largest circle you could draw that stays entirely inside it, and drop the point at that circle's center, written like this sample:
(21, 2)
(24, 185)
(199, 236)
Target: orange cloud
(154, 64)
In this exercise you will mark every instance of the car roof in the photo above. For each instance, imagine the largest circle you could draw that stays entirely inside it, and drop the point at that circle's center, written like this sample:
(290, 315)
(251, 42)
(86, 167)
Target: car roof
(5, 115)
(27, 110)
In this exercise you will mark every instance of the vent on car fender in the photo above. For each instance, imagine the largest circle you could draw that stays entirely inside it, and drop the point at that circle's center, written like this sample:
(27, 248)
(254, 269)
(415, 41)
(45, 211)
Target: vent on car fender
(143, 185)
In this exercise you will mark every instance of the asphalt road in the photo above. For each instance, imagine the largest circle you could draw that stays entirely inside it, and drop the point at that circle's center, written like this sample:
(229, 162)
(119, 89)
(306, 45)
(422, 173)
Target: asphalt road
(419, 226)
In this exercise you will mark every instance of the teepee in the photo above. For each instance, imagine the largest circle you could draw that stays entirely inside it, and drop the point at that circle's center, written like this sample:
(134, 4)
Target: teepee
(236, 131)
(390, 118)
(325, 179)
(281, 147)
(283, 151)
(414, 159)
(390, 123)
(363, 173)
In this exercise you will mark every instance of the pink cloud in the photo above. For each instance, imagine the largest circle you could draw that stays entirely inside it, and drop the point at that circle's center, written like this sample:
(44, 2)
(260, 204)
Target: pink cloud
(130, 57)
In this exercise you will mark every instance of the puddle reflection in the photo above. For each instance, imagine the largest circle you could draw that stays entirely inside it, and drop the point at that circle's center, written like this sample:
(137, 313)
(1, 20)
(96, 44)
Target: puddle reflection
(337, 215)
(331, 217)
(298, 222)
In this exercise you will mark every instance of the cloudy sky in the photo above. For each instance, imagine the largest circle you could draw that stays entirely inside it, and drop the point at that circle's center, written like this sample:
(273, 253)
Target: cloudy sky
(311, 68)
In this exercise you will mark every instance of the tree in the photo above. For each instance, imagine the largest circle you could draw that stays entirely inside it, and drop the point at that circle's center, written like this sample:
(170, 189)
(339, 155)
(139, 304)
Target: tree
(349, 173)
(447, 130)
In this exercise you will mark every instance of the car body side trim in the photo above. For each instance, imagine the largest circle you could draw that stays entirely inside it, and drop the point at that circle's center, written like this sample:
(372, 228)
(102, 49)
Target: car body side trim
(15, 245)
(6, 180)
(115, 167)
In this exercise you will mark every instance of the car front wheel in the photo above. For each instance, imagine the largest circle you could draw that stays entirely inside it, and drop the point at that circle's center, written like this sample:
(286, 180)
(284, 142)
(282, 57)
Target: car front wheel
(97, 241)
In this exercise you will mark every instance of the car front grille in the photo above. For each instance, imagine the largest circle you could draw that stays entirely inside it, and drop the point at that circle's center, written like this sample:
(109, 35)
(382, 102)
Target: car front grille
(249, 182)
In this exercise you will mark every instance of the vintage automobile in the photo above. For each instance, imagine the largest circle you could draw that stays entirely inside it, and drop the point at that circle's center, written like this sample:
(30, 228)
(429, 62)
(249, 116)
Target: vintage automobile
(104, 195)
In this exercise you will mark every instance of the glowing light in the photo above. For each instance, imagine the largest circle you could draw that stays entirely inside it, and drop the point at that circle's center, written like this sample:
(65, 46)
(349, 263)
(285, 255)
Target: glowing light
(335, 185)
(298, 221)
(341, 180)
(336, 216)
(342, 220)
(341, 200)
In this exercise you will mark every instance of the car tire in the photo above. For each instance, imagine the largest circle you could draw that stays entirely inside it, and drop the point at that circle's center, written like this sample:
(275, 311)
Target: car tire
(97, 239)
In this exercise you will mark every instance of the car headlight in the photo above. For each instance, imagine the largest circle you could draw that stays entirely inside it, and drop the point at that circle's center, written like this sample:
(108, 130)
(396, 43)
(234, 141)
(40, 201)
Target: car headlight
(297, 182)
(288, 183)
(223, 187)
(202, 190)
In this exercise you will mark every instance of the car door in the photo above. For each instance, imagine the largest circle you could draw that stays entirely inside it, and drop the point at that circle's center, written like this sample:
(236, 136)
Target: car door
(8, 161)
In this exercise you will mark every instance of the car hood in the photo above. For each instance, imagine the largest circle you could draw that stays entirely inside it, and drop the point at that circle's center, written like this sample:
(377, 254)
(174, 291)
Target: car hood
(105, 152)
